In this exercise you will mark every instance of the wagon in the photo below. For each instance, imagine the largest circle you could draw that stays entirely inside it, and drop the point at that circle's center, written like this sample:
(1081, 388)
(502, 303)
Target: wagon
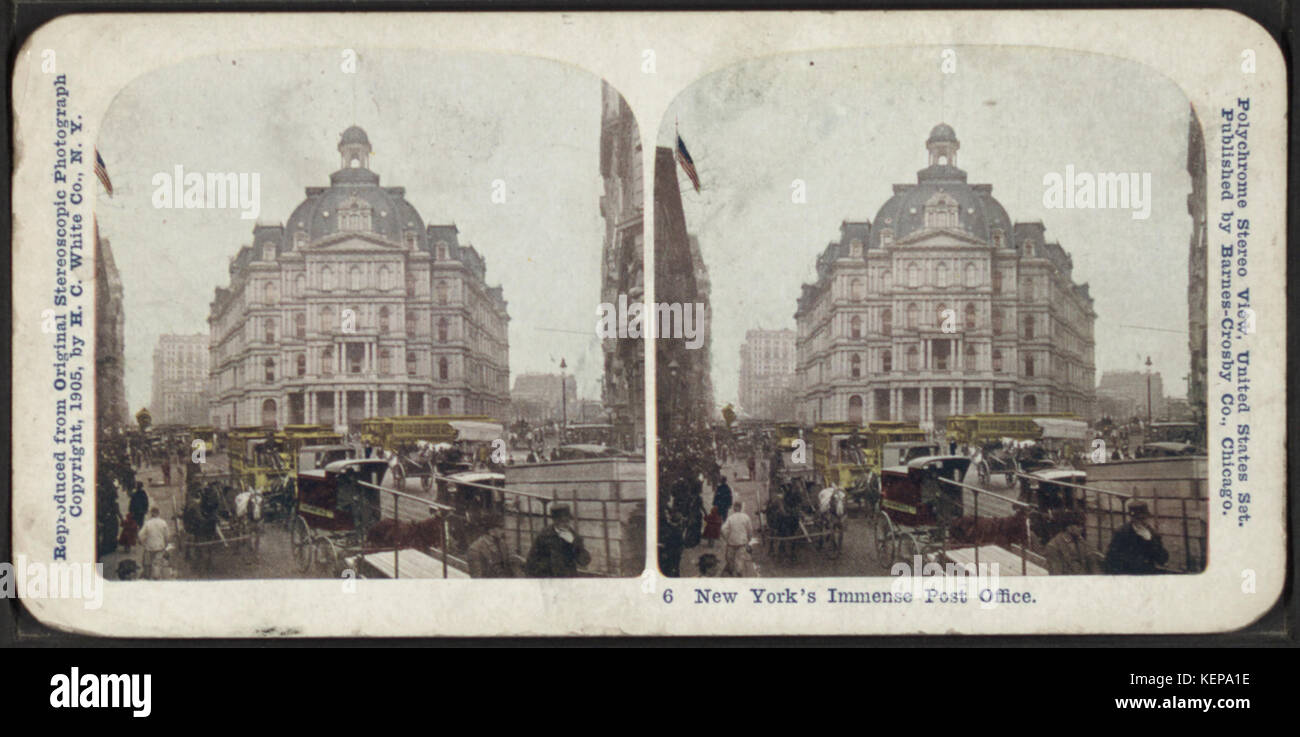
(218, 517)
(334, 510)
(916, 507)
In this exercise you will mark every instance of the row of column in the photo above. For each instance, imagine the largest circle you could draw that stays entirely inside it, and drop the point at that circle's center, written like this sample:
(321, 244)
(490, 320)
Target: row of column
(956, 397)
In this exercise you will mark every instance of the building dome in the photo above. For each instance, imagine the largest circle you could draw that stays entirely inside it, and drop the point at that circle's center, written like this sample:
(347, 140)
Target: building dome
(942, 184)
(941, 132)
(355, 134)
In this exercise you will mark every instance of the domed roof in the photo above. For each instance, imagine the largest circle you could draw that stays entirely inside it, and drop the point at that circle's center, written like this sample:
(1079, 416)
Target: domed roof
(940, 133)
(354, 134)
(978, 213)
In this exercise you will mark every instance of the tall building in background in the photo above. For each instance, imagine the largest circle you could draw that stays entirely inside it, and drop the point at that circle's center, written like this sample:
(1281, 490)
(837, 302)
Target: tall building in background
(541, 398)
(941, 306)
(110, 339)
(180, 380)
(354, 308)
(1122, 395)
(767, 366)
(1196, 271)
(622, 274)
(682, 378)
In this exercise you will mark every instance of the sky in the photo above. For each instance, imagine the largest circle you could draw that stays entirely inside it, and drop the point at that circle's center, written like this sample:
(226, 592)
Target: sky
(852, 123)
(443, 127)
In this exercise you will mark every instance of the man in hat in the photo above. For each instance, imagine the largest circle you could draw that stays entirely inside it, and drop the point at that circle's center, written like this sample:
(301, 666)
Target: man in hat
(489, 556)
(1136, 548)
(558, 550)
(1067, 553)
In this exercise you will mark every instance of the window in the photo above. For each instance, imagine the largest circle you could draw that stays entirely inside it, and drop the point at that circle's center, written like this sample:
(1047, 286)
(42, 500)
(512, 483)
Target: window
(972, 275)
(970, 358)
(326, 319)
(887, 279)
(1029, 365)
(997, 361)
(442, 330)
(327, 279)
(855, 327)
(886, 361)
(1027, 246)
(970, 316)
(913, 315)
(300, 325)
(939, 316)
(1029, 327)
(999, 240)
(268, 327)
(855, 366)
(855, 409)
(327, 362)
(997, 320)
(385, 278)
(855, 290)
(269, 293)
(1031, 403)
(440, 292)
(444, 406)
(269, 366)
(887, 321)
(354, 278)
(913, 276)
(269, 413)
(887, 237)
(300, 285)
(410, 239)
(385, 362)
(411, 324)
(354, 216)
(913, 358)
(441, 253)
(941, 275)
(410, 285)
(941, 211)
(410, 363)
(299, 240)
(302, 364)
(997, 281)
(383, 319)
(443, 369)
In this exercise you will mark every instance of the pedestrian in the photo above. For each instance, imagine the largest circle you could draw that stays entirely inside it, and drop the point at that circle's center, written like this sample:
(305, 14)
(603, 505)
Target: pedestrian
(1136, 549)
(1067, 553)
(489, 556)
(713, 526)
(722, 498)
(153, 539)
(138, 506)
(167, 470)
(130, 534)
(737, 534)
(558, 551)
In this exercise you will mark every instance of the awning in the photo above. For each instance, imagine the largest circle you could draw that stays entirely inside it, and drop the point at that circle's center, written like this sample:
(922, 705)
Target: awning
(1061, 429)
(477, 431)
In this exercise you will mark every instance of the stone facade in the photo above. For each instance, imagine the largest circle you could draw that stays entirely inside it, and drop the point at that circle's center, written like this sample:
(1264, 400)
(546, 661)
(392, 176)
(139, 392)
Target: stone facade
(767, 374)
(353, 308)
(942, 306)
(180, 380)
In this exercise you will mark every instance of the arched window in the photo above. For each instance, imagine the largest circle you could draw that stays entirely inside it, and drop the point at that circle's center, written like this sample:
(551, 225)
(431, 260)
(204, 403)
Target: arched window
(913, 358)
(300, 285)
(913, 315)
(440, 292)
(443, 369)
(997, 320)
(442, 330)
(1029, 327)
(855, 290)
(941, 275)
(886, 361)
(269, 367)
(268, 327)
(268, 413)
(327, 361)
(887, 321)
(444, 406)
(939, 316)
(269, 293)
(385, 362)
(410, 285)
(997, 281)
(383, 319)
(326, 316)
(970, 358)
(300, 325)
(855, 409)
(327, 279)
(410, 363)
(354, 278)
(941, 211)
(411, 323)
(970, 315)
(972, 275)
(855, 327)
(855, 366)
(385, 278)
(302, 364)
(997, 361)
(913, 276)
(887, 279)
(1029, 365)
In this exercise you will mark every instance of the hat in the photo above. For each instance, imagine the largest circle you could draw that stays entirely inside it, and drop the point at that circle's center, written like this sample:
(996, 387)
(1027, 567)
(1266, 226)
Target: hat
(561, 511)
(1139, 509)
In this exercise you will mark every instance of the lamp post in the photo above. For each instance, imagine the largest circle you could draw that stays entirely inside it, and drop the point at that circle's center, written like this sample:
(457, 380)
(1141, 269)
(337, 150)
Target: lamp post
(1148, 393)
(564, 398)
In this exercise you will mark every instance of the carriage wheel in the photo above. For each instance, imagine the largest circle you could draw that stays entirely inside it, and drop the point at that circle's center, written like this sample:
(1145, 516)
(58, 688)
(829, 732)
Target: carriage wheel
(326, 556)
(908, 549)
(886, 542)
(300, 536)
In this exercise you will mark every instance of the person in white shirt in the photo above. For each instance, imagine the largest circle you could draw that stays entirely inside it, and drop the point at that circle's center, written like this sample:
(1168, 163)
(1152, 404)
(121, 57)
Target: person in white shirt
(153, 539)
(737, 532)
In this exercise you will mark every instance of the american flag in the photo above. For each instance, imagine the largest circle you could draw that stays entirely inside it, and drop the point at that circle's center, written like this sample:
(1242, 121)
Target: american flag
(101, 171)
(688, 164)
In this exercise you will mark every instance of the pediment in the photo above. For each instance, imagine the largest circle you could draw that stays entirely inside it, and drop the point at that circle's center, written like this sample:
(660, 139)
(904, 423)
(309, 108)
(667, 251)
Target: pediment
(939, 237)
(354, 242)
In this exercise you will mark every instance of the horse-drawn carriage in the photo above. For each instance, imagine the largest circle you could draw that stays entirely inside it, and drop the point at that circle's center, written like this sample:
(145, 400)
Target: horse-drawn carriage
(917, 508)
(218, 515)
(335, 511)
(802, 509)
